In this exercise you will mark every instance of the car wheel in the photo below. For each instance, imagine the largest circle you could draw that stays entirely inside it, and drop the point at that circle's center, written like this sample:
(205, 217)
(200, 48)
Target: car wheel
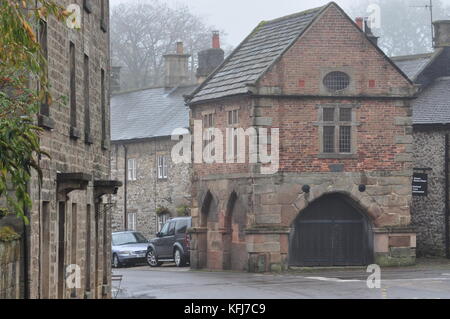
(179, 258)
(116, 262)
(152, 260)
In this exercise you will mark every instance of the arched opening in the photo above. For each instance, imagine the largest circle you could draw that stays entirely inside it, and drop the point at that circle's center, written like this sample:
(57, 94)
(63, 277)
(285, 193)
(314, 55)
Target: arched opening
(206, 207)
(207, 241)
(228, 232)
(332, 231)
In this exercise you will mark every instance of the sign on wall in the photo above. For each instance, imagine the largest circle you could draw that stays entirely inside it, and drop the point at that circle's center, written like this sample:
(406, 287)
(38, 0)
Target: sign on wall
(420, 184)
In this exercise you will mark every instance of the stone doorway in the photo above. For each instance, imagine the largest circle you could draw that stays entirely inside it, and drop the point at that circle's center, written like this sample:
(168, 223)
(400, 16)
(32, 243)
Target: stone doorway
(332, 231)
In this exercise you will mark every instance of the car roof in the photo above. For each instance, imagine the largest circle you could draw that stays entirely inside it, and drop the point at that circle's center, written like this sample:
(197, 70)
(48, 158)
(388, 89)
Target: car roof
(125, 231)
(180, 218)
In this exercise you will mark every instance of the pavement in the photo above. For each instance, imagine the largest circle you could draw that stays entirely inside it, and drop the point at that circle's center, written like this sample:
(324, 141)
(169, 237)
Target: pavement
(429, 279)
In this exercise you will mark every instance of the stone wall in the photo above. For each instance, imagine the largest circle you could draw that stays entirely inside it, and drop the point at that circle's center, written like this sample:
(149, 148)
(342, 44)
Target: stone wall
(428, 212)
(73, 148)
(10, 270)
(147, 193)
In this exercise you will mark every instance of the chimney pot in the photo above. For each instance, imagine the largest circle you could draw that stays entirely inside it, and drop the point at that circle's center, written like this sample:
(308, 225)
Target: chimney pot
(216, 40)
(360, 22)
(441, 33)
(180, 49)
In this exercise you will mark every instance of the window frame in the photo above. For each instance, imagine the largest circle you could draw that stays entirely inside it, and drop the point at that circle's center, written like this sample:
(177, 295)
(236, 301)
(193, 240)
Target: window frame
(133, 218)
(337, 124)
(162, 167)
(131, 169)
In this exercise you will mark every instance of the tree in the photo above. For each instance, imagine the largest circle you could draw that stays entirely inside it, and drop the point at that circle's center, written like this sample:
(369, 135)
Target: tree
(21, 64)
(142, 32)
(405, 24)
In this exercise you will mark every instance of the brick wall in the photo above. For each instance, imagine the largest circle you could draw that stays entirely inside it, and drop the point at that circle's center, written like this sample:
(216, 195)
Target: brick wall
(289, 97)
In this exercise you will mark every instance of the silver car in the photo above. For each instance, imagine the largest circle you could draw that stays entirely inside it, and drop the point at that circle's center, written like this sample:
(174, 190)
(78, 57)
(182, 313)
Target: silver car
(128, 247)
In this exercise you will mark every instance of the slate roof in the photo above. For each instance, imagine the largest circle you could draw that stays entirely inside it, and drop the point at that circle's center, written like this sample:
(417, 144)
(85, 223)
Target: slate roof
(433, 104)
(147, 113)
(255, 55)
(413, 65)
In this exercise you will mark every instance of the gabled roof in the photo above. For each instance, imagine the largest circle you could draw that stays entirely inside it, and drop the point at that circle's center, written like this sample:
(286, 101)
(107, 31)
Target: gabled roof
(414, 65)
(260, 51)
(148, 113)
(433, 104)
(250, 60)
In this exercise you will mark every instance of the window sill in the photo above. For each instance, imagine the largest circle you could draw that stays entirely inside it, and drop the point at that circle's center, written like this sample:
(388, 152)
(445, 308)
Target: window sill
(105, 145)
(88, 139)
(337, 156)
(46, 122)
(74, 133)
(162, 179)
(103, 26)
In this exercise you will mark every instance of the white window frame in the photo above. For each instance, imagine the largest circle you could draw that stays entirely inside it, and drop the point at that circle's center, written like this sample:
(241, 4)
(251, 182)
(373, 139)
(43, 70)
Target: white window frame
(162, 167)
(131, 221)
(162, 219)
(131, 169)
(233, 117)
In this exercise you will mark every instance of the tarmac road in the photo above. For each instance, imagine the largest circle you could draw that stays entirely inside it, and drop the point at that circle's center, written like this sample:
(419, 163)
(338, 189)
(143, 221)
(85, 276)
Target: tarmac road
(425, 280)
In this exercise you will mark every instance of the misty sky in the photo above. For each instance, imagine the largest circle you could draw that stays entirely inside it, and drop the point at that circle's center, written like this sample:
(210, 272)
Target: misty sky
(239, 17)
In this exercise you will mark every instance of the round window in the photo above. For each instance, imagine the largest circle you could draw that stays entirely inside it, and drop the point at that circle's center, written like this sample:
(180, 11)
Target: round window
(336, 81)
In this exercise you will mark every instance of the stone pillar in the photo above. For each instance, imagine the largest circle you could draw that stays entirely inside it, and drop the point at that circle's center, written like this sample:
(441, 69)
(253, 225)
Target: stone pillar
(198, 248)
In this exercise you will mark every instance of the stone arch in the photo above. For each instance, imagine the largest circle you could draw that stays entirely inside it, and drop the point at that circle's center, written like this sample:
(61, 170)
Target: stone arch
(334, 229)
(367, 204)
(227, 237)
(207, 200)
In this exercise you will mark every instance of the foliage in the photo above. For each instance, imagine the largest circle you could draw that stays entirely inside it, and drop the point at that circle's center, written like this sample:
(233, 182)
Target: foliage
(22, 66)
(7, 234)
(142, 32)
(405, 24)
(162, 210)
(183, 210)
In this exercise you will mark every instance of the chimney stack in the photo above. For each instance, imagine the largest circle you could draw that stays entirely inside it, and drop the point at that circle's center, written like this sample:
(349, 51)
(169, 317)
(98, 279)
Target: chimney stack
(364, 26)
(176, 68)
(370, 35)
(180, 48)
(441, 33)
(360, 22)
(216, 40)
(210, 59)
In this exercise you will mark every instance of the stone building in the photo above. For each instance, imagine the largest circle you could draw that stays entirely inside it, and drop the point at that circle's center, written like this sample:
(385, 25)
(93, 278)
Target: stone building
(342, 191)
(69, 230)
(142, 123)
(431, 126)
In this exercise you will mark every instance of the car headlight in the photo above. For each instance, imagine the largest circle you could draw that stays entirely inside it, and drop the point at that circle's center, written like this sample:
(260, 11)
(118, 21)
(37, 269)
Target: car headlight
(125, 253)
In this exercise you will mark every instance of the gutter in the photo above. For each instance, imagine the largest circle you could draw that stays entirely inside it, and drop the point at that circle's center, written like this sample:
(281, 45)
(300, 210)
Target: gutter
(125, 188)
(447, 211)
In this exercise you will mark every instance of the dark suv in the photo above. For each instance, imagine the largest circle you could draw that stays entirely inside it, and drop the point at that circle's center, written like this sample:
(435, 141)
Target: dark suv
(171, 243)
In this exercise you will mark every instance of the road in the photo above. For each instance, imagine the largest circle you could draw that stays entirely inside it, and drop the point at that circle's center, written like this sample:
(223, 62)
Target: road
(425, 280)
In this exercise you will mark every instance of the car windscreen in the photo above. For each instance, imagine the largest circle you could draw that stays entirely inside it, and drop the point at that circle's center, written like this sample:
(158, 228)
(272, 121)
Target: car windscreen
(128, 238)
